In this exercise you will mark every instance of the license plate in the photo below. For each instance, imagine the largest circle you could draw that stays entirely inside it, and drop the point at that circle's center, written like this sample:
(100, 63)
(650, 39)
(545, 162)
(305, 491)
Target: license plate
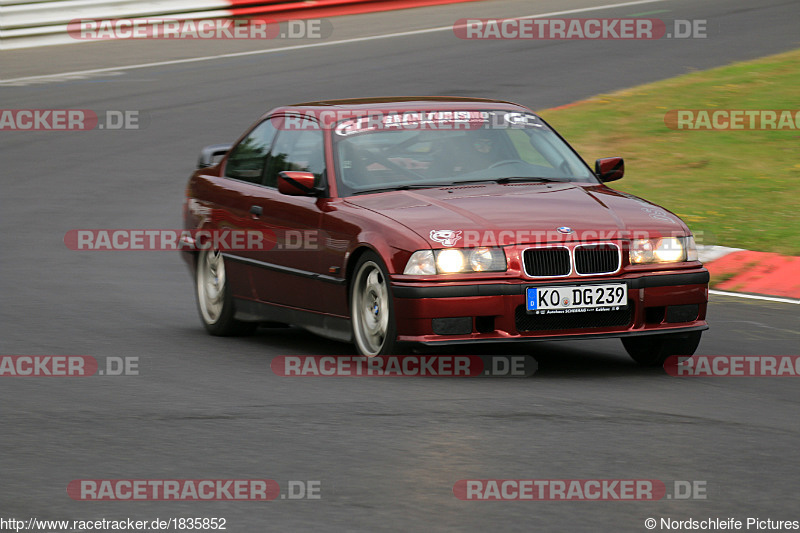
(576, 298)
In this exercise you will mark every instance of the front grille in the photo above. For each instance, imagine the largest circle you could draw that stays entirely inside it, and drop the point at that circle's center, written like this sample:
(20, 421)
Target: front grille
(596, 259)
(587, 319)
(546, 262)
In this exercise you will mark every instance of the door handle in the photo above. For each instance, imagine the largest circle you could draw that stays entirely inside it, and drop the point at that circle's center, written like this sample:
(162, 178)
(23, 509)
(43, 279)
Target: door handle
(256, 210)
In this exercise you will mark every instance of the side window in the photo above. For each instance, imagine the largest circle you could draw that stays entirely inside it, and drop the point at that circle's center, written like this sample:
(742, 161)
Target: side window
(301, 150)
(247, 158)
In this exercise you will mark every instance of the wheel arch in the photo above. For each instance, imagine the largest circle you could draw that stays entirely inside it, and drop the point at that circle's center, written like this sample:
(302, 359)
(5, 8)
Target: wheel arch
(352, 261)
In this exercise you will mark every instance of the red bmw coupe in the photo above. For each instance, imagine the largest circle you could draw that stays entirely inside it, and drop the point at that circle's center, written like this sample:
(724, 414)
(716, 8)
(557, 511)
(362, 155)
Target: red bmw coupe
(434, 221)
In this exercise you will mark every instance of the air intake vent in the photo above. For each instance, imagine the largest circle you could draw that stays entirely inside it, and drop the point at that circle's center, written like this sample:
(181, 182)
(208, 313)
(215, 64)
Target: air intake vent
(462, 187)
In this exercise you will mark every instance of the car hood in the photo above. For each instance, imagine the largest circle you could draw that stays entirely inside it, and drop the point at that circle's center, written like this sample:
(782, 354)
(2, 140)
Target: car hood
(532, 212)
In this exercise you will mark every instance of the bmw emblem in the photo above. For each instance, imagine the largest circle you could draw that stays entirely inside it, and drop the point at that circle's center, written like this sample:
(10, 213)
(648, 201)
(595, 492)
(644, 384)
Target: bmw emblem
(566, 230)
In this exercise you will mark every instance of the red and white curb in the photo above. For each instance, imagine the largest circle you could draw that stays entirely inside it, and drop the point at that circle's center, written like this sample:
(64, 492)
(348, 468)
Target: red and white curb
(710, 253)
(748, 274)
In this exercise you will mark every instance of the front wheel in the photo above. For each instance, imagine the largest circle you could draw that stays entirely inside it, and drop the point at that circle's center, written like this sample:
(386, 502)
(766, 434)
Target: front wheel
(214, 300)
(372, 308)
(653, 350)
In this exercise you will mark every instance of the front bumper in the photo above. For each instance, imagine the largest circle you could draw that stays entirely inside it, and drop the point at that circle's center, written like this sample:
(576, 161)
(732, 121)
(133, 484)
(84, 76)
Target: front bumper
(450, 313)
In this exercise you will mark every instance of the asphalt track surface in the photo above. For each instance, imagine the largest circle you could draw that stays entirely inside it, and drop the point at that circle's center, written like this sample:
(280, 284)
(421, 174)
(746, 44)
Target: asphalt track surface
(387, 452)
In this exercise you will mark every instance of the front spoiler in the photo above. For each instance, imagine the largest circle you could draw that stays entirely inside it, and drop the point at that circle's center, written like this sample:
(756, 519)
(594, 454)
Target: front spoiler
(583, 336)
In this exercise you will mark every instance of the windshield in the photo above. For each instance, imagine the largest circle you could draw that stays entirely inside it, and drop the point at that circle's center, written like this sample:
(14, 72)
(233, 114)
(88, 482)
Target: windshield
(433, 149)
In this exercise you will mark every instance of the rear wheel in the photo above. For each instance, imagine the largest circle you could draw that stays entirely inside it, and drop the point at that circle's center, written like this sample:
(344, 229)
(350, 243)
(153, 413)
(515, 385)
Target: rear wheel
(214, 300)
(653, 350)
(372, 308)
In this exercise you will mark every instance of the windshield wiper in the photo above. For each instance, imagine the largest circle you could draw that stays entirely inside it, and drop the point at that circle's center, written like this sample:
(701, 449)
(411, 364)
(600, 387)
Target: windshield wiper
(507, 180)
(400, 188)
(435, 185)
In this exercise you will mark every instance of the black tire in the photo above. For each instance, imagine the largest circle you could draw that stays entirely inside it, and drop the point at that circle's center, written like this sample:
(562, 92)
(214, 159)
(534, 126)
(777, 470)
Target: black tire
(372, 308)
(653, 350)
(214, 300)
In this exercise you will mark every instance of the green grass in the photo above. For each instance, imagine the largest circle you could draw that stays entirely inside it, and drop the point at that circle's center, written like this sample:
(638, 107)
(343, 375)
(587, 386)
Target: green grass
(733, 188)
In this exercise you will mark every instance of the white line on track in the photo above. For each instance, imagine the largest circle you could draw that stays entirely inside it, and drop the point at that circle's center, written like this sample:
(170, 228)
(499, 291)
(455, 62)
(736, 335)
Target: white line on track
(79, 73)
(755, 297)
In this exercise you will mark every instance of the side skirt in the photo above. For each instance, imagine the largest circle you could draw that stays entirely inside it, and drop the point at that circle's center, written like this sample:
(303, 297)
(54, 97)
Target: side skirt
(331, 327)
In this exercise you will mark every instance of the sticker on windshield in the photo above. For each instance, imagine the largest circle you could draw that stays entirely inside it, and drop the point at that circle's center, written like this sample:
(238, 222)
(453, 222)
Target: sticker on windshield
(523, 120)
(414, 120)
(453, 120)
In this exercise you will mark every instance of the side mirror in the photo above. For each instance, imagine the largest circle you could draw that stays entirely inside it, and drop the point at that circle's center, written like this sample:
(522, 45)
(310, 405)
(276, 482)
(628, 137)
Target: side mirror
(211, 155)
(295, 183)
(609, 169)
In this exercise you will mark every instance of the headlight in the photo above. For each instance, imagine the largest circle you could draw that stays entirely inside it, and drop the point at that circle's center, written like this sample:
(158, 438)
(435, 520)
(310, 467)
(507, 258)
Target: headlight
(662, 250)
(450, 261)
(483, 259)
(456, 260)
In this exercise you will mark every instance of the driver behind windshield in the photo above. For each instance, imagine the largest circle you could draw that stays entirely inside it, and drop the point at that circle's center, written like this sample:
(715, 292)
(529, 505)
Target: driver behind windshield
(469, 152)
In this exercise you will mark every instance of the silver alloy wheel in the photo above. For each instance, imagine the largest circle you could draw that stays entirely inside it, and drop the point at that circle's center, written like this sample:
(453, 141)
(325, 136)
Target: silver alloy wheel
(211, 285)
(370, 308)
